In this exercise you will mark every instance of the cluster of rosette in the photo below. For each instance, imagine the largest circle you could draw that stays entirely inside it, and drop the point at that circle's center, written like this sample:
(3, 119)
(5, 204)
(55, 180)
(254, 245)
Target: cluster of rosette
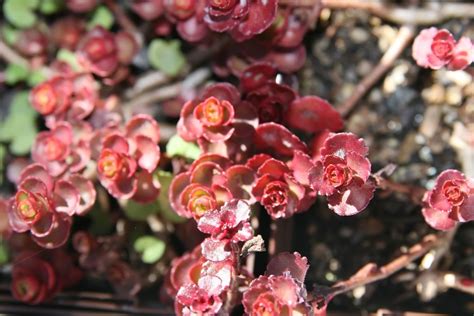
(435, 49)
(37, 277)
(249, 154)
(451, 200)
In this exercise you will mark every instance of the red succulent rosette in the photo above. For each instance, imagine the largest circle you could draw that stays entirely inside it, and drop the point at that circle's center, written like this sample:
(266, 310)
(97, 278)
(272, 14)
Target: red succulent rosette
(148, 9)
(67, 32)
(44, 206)
(450, 201)
(31, 42)
(97, 52)
(278, 190)
(36, 278)
(343, 173)
(58, 151)
(435, 48)
(194, 300)
(281, 290)
(243, 19)
(210, 182)
(70, 97)
(127, 160)
(211, 119)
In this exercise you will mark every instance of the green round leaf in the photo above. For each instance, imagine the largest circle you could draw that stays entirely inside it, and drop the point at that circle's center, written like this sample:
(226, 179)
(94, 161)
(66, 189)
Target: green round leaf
(150, 247)
(20, 13)
(50, 6)
(165, 209)
(103, 17)
(15, 73)
(177, 146)
(166, 56)
(138, 212)
(3, 253)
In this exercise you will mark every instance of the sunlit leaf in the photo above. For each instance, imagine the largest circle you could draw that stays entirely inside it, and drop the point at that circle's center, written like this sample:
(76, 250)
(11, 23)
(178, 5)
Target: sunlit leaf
(15, 73)
(165, 209)
(177, 146)
(20, 13)
(103, 17)
(166, 56)
(19, 128)
(50, 6)
(150, 247)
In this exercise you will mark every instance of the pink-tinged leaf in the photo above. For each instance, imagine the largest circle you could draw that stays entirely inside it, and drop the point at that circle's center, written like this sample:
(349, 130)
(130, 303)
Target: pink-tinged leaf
(256, 161)
(148, 187)
(210, 223)
(353, 199)
(192, 30)
(211, 284)
(317, 144)
(44, 225)
(341, 143)
(222, 194)
(463, 54)
(117, 143)
(80, 109)
(197, 301)
(80, 156)
(39, 172)
(144, 125)
(274, 168)
(260, 16)
(359, 164)
(63, 132)
(437, 219)
(260, 185)
(216, 250)
(87, 193)
(285, 289)
(466, 210)
(220, 160)
(66, 197)
(4, 225)
(148, 9)
(313, 114)
(223, 270)
(303, 167)
(123, 188)
(293, 263)
(147, 153)
(240, 180)
(222, 91)
(178, 184)
(437, 199)
(276, 138)
(58, 235)
(189, 127)
(127, 47)
(288, 60)
(206, 173)
(257, 75)
(16, 223)
(216, 134)
(35, 186)
(422, 46)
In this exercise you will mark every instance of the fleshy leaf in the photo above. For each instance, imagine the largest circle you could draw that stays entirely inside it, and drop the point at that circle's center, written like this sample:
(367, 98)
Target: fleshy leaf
(15, 73)
(179, 147)
(19, 128)
(150, 247)
(137, 211)
(20, 12)
(166, 56)
(103, 17)
(165, 208)
(70, 58)
(50, 6)
(3, 252)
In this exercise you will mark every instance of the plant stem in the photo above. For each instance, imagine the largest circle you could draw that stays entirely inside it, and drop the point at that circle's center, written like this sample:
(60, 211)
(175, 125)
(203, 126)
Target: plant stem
(404, 36)
(428, 15)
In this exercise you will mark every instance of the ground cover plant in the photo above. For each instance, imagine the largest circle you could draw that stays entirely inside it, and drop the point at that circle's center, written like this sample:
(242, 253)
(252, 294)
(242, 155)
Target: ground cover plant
(224, 157)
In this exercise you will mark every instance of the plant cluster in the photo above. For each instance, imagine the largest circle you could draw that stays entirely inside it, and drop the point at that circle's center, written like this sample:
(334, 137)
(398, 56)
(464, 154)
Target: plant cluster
(242, 149)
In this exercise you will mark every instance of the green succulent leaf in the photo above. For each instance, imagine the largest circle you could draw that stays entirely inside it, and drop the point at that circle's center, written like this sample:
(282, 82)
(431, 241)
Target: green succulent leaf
(166, 56)
(150, 248)
(166, 211)
(179, 147)
(103, 17)
(50, 6)
(19, 128)
(15, 73)
(10, 34)
(20, 13)
(69, 57)
(137, 211)
(3, 253)
(35, 77)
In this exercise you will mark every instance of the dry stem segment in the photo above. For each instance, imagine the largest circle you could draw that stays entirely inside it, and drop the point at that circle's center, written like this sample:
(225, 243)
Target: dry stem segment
(404, 37)
(431, 14)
